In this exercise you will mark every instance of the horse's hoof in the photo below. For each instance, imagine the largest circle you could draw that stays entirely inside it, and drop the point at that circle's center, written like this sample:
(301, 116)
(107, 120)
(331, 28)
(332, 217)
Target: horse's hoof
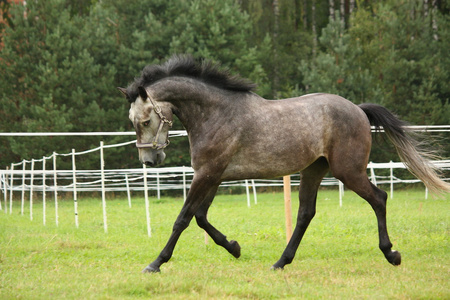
(150, 269)
(275, 268)
(236, 250)
(394, 258)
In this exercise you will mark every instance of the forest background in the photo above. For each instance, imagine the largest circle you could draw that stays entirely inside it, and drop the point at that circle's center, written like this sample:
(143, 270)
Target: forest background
(61, 61)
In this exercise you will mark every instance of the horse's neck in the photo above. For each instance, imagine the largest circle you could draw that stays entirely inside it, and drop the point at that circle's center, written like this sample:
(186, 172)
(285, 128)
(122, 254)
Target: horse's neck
(193, 102)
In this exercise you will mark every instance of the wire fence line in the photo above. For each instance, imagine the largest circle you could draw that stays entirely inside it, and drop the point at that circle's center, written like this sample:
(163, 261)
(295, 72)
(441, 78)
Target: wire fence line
(24, 179)
(26, 182)
(174, 133)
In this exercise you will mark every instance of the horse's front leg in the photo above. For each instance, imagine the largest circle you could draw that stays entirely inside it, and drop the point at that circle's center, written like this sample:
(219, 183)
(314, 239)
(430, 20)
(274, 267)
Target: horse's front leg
(201, 190)
(218, 237)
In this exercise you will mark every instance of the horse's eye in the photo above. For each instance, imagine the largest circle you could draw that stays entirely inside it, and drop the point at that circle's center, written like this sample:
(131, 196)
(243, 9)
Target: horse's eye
(146, 123)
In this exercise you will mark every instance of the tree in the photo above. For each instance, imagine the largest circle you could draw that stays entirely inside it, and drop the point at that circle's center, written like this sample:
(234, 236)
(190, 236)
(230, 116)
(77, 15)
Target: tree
(385, 57)
(411, 66)
(337, 69)
(53, 79)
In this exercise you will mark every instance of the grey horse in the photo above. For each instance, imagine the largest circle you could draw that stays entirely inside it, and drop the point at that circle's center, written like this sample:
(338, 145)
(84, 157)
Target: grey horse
(235, 134)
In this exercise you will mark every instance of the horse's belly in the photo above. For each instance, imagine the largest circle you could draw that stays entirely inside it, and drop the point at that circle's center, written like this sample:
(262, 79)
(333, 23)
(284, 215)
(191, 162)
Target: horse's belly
(266, 165)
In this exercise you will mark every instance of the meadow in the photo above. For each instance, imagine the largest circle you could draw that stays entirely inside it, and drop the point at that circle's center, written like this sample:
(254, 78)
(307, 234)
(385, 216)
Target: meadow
(338, 258)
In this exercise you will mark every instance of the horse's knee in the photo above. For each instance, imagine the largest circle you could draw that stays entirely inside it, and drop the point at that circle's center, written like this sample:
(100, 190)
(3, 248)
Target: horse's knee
(306, 215)
(379, 202)
(181, 224)
(202, 222)
(381, 195)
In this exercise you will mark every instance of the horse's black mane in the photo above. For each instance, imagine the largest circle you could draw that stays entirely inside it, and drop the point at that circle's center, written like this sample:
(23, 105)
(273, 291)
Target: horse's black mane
(187, 66)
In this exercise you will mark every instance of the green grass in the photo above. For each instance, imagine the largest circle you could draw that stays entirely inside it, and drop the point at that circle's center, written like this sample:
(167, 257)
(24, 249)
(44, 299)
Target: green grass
(338, 257)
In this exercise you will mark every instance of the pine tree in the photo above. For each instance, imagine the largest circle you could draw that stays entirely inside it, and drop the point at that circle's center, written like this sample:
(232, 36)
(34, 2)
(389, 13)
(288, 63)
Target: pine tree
(408, 62)
(52, 80)
(337, 70)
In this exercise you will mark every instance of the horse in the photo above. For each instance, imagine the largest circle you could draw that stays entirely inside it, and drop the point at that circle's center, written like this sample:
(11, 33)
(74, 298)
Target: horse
(234, 134)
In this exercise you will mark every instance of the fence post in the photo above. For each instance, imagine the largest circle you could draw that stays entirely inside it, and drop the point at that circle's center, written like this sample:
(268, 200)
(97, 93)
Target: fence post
(6, 190)
(287, 206)
(55, 181)
(3, 190)
(147, 209)
(184, 184)
(158, 190)
(341, 192)
(102, 169)
(23, 187)
(254, 192)
(75, 199)
(372, 175)
(31, 189)
(247, 192)
(11, 189)
(43, 191)
(392, 178)
(128, 190)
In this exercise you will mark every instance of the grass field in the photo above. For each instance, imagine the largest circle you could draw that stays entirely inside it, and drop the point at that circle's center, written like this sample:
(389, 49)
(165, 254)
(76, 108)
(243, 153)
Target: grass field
(338, 258)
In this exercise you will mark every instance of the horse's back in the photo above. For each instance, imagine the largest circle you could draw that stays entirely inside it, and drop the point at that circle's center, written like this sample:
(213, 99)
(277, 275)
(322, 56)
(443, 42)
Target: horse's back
(288, 135)
(327, 113)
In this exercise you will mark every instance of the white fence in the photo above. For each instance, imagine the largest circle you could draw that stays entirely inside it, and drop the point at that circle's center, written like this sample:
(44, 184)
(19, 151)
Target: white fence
(25, 180)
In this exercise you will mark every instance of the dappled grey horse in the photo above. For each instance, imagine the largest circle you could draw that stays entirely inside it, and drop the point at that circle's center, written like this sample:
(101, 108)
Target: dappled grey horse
(235, 134)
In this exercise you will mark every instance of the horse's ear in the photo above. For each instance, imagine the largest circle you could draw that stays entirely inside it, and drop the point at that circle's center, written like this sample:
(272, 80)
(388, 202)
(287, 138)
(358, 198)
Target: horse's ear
(142, 93)
(123, 91)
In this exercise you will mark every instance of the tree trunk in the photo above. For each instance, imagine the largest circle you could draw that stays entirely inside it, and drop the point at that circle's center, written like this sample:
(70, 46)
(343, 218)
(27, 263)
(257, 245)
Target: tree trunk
(314, 30)
(352, 6)
(305, 9)
(331, 5)
(276, 28)
(297, 14)
(433, 20)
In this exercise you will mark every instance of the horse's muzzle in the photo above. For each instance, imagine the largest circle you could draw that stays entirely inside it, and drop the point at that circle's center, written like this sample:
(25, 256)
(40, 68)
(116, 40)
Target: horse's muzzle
(151, 158)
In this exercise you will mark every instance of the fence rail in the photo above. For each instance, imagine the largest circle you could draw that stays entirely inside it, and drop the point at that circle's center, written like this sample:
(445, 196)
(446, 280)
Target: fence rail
(174, 133)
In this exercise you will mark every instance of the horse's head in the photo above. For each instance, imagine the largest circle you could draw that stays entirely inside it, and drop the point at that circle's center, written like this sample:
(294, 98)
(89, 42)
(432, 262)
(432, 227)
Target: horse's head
(151, 122)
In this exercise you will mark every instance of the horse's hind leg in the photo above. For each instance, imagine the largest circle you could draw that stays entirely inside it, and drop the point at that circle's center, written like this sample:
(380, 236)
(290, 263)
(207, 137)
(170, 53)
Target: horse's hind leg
(220, 239)
(377, 198)
(310, 181)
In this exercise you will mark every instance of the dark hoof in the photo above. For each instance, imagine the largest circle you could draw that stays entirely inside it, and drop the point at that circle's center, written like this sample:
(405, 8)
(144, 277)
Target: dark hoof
(394, 258)
(150, 269)
(236, 249)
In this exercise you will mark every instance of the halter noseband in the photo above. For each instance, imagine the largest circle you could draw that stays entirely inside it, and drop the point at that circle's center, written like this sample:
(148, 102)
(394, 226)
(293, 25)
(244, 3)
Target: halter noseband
(162, 120)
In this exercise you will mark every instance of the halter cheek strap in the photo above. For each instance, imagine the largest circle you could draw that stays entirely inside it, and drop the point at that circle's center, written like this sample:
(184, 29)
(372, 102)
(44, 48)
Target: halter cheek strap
(162, 120)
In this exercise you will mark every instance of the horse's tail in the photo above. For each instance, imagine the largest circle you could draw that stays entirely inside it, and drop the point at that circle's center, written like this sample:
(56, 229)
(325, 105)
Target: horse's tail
(416, 159)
